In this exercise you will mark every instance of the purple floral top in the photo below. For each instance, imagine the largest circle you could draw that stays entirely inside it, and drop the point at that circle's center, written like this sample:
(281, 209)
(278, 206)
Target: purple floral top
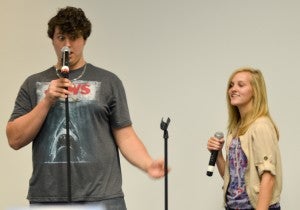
(237, 196)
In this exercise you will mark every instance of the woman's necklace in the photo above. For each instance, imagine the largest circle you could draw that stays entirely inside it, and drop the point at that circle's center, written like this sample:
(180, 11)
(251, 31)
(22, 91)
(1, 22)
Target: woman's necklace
(58, 73)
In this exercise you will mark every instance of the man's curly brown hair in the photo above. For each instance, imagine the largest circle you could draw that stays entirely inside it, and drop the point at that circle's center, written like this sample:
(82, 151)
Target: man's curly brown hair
(71, 21)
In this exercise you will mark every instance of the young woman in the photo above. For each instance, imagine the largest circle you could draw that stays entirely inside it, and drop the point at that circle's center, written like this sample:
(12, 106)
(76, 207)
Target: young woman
(252, 167)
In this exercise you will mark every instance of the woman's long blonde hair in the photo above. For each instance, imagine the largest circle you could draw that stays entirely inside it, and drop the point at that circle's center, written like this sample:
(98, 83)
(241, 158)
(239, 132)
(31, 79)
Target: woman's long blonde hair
(238, 126)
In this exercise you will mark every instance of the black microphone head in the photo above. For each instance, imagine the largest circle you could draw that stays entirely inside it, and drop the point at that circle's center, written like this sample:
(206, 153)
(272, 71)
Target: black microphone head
(219, 135)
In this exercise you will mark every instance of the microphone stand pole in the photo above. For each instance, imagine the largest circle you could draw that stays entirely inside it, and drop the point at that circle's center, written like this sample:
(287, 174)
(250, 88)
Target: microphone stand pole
(164, 127)
(69, 186)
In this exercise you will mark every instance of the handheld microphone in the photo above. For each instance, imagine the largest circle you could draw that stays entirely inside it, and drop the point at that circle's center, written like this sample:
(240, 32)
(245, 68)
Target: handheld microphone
(213, 156)
(65, 60)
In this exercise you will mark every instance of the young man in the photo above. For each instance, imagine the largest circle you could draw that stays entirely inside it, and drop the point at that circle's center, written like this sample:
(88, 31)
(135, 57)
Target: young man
(99, 125)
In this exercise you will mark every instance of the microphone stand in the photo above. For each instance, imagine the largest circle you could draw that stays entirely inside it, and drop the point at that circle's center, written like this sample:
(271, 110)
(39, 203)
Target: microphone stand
(164, 127)
(69, 186)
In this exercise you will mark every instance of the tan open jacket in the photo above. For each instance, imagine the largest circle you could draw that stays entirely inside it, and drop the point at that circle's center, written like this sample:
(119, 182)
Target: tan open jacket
(260, 146)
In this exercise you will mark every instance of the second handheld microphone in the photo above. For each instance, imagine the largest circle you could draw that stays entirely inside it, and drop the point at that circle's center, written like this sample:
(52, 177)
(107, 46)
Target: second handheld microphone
(213, 156)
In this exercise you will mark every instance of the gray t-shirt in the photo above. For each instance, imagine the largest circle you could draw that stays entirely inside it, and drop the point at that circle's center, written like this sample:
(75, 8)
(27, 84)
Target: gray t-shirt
(98, 103)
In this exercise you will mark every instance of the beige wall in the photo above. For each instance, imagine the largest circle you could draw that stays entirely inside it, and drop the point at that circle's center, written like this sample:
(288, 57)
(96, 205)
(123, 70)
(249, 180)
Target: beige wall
(174, 58)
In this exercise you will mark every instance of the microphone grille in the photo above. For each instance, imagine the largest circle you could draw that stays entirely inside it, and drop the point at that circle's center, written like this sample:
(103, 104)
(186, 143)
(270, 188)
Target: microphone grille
(219, 134)
(65, 49)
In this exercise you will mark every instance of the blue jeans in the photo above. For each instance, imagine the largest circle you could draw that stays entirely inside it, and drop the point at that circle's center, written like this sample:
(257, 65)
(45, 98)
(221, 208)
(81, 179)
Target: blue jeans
(109, 204)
